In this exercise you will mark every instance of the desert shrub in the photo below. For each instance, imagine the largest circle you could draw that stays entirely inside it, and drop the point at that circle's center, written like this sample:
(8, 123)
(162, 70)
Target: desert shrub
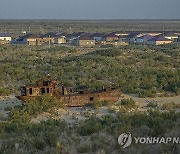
(4, 92)
(128, 103)
(84, 147)
(8, 108)
(39, 143)
(96, 104)
(147, 93)
(170, 106)
(89, 126)
(34, 107)
(107, 120)
(152, 104)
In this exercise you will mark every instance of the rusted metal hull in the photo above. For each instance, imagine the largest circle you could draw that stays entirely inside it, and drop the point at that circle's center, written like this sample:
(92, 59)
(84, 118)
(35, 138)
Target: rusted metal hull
(78, 100)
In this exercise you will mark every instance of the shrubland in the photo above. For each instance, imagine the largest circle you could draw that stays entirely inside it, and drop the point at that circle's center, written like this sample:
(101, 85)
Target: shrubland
(135, 69)
(92, 135)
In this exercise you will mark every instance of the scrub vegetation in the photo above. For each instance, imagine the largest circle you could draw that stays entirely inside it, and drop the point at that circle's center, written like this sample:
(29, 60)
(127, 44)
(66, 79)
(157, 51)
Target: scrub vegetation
(146, 70)
(93, 135)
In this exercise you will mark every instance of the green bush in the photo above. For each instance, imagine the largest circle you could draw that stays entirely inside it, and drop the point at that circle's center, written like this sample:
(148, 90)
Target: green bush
(152, 104)
(32, 108)
(89, 126)
(4, 92)
(170, 106)
(128, 103)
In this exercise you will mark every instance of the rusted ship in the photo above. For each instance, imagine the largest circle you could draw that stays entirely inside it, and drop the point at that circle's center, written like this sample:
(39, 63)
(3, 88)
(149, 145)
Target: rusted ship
(67, 96)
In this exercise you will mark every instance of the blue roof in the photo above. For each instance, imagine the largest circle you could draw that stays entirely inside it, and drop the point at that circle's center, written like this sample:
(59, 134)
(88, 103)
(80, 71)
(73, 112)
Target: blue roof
(159, 38)
(145, 37)
(132, 35)
(5, 35)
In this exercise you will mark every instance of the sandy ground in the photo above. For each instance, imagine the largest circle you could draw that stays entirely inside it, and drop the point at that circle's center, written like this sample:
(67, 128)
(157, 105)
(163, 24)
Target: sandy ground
(144, 101)
(74, 115)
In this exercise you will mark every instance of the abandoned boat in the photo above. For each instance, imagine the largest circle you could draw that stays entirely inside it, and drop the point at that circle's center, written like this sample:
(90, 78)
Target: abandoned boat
(67, 96)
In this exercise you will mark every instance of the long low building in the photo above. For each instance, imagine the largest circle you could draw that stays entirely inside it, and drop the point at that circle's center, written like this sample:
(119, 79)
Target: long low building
(5, 38)
(159, 41)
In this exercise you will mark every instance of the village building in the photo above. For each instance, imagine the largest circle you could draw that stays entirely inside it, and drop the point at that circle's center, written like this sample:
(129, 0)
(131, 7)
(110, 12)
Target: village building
(86, 41)
(72, 38)
(131, 38)
(178, 38)
(122, 38)
(121, 33)
(5, 38)
(34, 40)
(49, 38)
(171, 36)
(159, 40)
(111, 37)
(121, 43)
(97, 36)
(59, 40)
(143, 39)
(29, 39)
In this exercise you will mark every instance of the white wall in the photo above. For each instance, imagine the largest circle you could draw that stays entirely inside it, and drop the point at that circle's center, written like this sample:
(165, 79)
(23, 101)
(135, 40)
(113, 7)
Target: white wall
(5, 38)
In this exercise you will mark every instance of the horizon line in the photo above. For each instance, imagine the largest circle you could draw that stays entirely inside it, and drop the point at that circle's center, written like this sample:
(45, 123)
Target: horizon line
(99, 19)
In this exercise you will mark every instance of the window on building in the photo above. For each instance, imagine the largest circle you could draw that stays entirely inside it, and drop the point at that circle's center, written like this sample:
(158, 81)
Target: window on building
(30, 91)
(43, 90)
(48, 90)
(91, 98)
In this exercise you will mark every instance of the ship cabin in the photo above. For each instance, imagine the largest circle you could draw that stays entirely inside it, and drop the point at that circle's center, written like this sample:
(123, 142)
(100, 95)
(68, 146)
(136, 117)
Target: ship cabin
(41, 87)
